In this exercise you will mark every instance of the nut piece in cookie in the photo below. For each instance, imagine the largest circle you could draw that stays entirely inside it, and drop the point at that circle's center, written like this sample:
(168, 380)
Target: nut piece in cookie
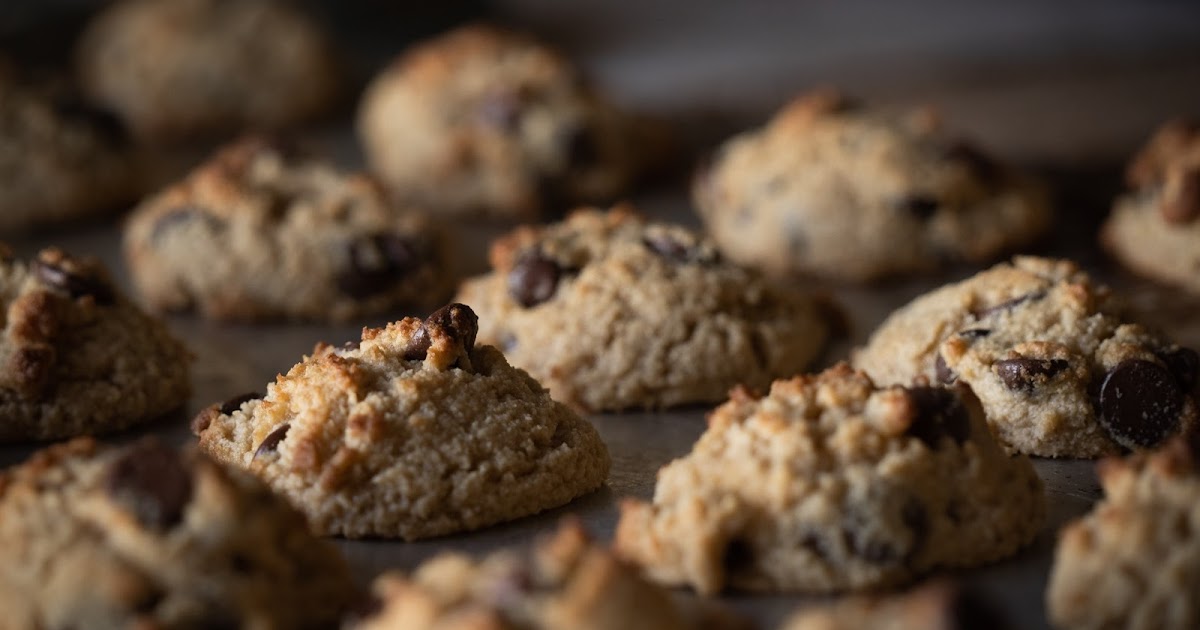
(565, 582)
(76, 357)
(146, 536)
(1053, 356)
(416, 431)
(266, 231)
(1134, 561)
(830, 483)
(935, 606)
(614, 311)
(484, 121)
(187, 69)
(835, 189)
(1153, 228)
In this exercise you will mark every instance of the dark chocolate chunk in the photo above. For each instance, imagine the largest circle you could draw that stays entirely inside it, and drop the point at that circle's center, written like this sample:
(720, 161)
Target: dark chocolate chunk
(1184, 364)
(922, 207)
(235, 403)
(533, 279)
(877, 550)
(738, 556)
(151, 481)
(271, 442)
(940, 412)
(74, 284)
(1025, 374)
(457, 321)
(353, 344)
(1140, 403)
(974, 333)
(944, 373)
(376, 263)
(668, 247)
(1009, 305)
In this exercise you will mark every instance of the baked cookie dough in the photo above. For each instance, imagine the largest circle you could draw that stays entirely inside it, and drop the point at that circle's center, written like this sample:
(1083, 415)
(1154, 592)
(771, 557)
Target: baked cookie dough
(414, 432)
(936, 606)
(612, 311)
(264, 231)
(488, 122)
(565, 582)
(77, 357)
(143, 536)
(1153, 228)
(183, 69)
(830, 483)
(833, 189)
(1053, 356)
(1134, 561)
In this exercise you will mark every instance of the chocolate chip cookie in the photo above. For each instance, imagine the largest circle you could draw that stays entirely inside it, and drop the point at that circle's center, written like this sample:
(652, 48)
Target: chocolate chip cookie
(830, 483)
(413, 432)
(143, 536)
(612, 311)
(1153, 228)
(191, 68)
(62, 160)
(838, 190)
(265, 231)
(77, 357)
(488, 122)
(565, 582)
(1060, 368)
(937, 606)
(1134, 561)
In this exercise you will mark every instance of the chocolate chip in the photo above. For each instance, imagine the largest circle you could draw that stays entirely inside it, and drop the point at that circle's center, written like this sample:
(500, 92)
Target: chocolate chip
(877, 550)
(181, 216)
(1009, 305)
(1140, 402)
(1181, 197)
(739, 555)
(534, 279)
(1025, 374)
(353, 344)
(151, 481)
(376, 263)
(457, 321)
(939, 412)
(74, 284)
(271, 442)
(235, 403)
(1184, 364)
(668, 247)
(922, 207)
(974, 333)
(944, 373)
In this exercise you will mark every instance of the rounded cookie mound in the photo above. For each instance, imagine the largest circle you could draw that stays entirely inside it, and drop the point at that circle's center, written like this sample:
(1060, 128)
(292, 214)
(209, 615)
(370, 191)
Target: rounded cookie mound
(1153, 229)
(189, 68)
(61, 159)
(829, 483)
(1134, 561)
(414, 432)
(264, 231)
(1060, 369)
(77, 357)
(484, 121)
(846, 192)
(565, 582)
(612, 311)
(143, 536)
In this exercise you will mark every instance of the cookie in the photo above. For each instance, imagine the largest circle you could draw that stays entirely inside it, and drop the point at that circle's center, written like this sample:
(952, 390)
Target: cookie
(937, 606)
(143, 536)
(1060, 368)
(264, 231)
(1134, 561)
(565, 582)
(61, 160)
(413, 432)
(612, 311)
(1153, 228)
(77, 357)
(187, 69)
(852, 193)
(488, 122)
(830, 483)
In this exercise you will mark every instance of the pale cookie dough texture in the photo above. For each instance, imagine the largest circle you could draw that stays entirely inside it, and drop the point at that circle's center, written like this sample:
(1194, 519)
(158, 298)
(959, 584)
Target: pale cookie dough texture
(61, 160)
(184, 69)
(1134, 561)
(77, 357)
(1153, 228)
(936, 606)
(830, 483)
(565, 582)
(265, 231)
(413, 432)
(1053, 356)
(143, 536)
(612, 311)
(483, 121)
(832, 189)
